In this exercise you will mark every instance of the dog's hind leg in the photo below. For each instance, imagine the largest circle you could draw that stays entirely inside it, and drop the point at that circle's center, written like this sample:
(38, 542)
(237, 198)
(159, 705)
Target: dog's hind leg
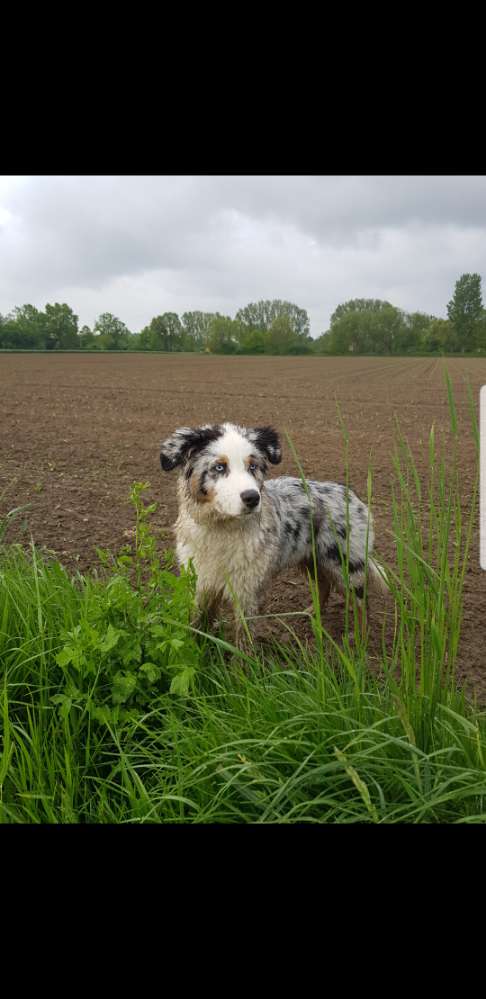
(324, 587)
(358, 599)
(324, 590)
(362, 607)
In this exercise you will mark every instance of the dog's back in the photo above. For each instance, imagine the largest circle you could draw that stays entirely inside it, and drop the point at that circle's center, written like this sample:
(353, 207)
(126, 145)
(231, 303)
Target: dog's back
(331, 517)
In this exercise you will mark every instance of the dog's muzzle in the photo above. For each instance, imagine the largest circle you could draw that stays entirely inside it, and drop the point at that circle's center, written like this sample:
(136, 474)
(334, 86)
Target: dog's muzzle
(251, 498)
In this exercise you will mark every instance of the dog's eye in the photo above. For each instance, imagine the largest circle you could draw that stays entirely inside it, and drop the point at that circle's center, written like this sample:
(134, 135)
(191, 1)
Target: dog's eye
(252, 468)
(219, 468)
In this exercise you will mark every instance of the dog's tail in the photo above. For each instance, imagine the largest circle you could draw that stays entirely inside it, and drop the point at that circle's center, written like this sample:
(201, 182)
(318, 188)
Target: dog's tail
(377, 578)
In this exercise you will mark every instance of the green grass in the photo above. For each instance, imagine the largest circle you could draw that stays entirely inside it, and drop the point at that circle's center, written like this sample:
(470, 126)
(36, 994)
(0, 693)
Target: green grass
(112, 709)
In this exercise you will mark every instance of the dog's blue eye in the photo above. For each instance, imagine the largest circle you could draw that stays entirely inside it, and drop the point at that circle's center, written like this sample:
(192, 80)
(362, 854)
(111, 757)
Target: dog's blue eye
(252, 468)
(219, 468)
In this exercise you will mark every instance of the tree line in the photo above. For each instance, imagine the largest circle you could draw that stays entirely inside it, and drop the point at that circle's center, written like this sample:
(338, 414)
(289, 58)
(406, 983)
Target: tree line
(272, 327)
(373, 326)
(358, 326)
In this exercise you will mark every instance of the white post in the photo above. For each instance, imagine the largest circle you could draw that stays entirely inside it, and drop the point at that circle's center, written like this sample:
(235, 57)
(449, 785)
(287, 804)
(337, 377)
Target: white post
(482, 485)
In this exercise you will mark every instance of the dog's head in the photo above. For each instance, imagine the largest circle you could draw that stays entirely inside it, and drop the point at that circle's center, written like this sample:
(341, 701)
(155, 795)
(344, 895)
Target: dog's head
(223, 465)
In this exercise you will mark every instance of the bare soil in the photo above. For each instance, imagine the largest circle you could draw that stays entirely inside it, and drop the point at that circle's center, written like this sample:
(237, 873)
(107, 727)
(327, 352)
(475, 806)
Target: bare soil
(77, 430)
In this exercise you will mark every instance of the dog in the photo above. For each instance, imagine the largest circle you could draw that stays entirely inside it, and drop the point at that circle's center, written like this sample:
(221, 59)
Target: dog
(240, 529)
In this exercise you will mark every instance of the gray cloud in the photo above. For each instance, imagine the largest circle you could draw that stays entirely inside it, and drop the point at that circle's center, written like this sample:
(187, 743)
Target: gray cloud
(138, 246)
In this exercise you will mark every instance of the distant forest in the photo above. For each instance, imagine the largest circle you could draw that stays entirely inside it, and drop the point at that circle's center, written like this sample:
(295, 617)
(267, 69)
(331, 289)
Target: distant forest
(359, 326)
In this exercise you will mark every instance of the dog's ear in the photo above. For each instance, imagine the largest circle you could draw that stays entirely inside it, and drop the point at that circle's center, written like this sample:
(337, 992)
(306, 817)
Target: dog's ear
(184, 443)
(268, 441)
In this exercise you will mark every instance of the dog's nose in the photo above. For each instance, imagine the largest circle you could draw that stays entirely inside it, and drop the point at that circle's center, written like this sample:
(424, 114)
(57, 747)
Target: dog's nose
(250, 497)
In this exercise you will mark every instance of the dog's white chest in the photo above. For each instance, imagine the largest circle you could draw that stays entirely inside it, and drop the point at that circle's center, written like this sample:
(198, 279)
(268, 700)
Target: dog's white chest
(221, 555)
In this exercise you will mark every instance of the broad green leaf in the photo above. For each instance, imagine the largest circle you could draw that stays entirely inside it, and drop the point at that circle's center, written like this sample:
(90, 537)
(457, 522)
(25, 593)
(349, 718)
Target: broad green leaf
(183, 681)
(151, 671)
(123, 687)
(111, 639)
(65, 656)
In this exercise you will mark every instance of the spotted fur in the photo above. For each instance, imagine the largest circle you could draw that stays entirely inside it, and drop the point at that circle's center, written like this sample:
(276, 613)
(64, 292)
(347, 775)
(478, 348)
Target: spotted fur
(240, 530)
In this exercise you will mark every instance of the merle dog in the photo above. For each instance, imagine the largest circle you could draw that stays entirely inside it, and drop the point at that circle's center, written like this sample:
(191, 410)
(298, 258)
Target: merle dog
(240, 529)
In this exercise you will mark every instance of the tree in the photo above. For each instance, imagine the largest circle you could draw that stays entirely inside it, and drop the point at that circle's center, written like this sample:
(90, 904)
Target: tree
(388, 330)
(173, 331)
(481, 331)
(251, 340)
(112, 332)
(87, 339)
(357, 329)
(9, 334)
(61, 327)
(323, 343)
(162, 333)
(154, 336)
(348, 335)
(359, 305)
(196, 329)
(260, 315)
(364, 326)
(465, 311)
(27, 327)
(222, 337)
(302, 345)
(133, 342)
(413, 334)
(280, 337)
(439, 336)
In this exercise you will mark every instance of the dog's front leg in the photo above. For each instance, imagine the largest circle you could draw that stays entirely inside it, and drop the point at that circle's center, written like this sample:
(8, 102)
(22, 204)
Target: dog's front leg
(206, 606)
(243, 609)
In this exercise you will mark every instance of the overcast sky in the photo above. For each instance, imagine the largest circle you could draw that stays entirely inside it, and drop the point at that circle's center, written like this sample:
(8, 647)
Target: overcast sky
(140, 246)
